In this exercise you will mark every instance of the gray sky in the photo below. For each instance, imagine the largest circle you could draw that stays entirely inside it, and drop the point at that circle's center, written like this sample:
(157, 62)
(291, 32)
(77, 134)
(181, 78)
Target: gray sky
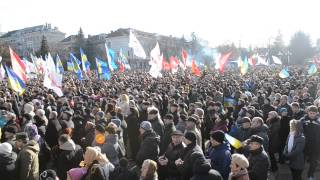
(253, 22)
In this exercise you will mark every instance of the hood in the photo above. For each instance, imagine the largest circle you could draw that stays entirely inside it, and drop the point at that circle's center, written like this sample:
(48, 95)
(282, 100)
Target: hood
(201, 166)
(33, 146)
(68, 146)
(7, 159)
(151, 136)
(112, 139)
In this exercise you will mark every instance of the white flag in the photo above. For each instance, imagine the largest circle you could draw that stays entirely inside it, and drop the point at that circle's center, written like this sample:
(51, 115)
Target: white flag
(53, 81)
(51, 67)
(137, 47)
(261, 61)
(155, 62)
(2, 72)
(276, 60)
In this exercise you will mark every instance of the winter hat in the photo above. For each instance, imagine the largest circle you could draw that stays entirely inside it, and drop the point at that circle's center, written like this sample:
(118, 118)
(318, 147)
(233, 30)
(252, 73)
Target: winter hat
(218, 136)
(191, 136)
(48, 175)
(100, 114)
(28, 109)
(244, 120)
(256, 138)
(100, 128)
(22, 136)
(117, 122)
(176, 133)
(146, 125)
(12, 129)
(5, 148)
(66, 143)
(192, 119)
(32, 132)
(240, 160)
(41, 113)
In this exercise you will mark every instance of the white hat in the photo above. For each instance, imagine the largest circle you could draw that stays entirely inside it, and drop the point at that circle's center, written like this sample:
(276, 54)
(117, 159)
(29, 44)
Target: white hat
(5, 148)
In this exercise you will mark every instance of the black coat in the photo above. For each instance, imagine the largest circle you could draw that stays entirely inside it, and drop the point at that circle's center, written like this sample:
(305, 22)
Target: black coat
(266, 108)
(262, 132)
(172, 154)
(158, 126)
(259, 164)
(149, 148)
(52, 132)
(7, 166)
(133, 133)
(274, 141)
(186, 168)
(311, 130)
(296, 156)
(125, 174)
(65, 160)
(166, 139)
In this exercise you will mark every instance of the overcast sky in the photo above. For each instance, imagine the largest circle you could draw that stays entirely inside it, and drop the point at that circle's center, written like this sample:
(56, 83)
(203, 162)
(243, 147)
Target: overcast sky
(253, 22)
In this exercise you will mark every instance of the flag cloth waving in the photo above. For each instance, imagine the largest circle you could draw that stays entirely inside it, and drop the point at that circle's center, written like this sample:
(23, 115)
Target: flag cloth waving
(103, 70)
(155, 62)
(312, 69)
(136, 46)
(59, 66)
(76, 67)
(194, 69)
(18, 66)
(15, 83)
(284, 73)
(84, 61)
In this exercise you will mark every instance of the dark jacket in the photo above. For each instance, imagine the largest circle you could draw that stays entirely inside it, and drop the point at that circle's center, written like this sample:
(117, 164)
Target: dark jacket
(202, 170)
(126, 174)
(143, 115)
(311, 130)
(259, 164)
(176, 117)
(243, 134)
(266, 108)
(111, 149)
(52, 132)
(221, 159)
(262, 132)
(149, 148)
(66, 159)
(166, 139)
(298, 115)
(157, 126)
(27, 164)
(7, 166)
(133, 133)
(296, 156)
(287, 106)
(284, 130)
(186, 168)
(274, 141)
(172, 154)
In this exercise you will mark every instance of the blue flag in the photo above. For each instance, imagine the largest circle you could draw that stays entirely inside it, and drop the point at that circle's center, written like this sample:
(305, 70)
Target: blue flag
(103, 69)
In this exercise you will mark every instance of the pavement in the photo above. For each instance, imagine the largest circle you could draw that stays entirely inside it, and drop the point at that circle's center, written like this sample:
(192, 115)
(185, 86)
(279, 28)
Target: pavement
(284, 173)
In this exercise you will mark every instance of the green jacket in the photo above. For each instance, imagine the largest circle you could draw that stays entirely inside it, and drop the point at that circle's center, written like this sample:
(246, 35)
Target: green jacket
(27, 164)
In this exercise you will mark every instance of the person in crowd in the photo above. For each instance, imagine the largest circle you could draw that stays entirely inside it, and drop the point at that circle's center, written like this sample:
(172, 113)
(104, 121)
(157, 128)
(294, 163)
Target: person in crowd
(169, 129)
(273, 122)
(259, 162)
(293, 150)
(149, 148)
(27, 163)
(283, 132)
(133, 131)
(156, 122)
(202, 169)
(7, 161)
(174, 111)
(244, 131)
(68, 155)
(266, 108)
(220, 154)
(297, 113)
(95, 166)
(149, 170)
(311, 130)
(259, 128)
(181, 126)
(53, 129)
(284, 104)
(111, 146)
(184, 163)
(191, 126)
(239, 165)
(124, 172)
(167, 167)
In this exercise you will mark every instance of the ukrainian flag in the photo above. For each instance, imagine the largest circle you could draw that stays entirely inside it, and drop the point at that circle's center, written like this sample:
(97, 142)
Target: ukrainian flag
(312, 69)
(76, 67)
(103, 69)
(229, 102)
(244, 66)
(284, 73)
(15, 83)
(84, 61)
(59, 65)
(233, 141)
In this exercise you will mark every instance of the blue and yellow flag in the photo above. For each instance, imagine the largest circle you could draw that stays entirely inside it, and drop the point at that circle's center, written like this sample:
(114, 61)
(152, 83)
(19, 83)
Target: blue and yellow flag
(59, 66)
(15, 83)
(76, 67)
(244, 65)
(233, 141)
(103, 69)
(84, 61)
(284, 73)
(113, 59)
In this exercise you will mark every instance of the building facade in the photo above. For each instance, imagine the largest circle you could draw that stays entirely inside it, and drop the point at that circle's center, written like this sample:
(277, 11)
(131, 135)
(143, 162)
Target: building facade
(28, 40)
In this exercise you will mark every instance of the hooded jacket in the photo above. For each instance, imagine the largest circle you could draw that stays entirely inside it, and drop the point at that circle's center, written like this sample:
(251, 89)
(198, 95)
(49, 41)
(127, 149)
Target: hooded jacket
(202, 170)
(27, 164)
(7, 165)
(149, 148)
(221, 159)
(68, 156)
(111, 148)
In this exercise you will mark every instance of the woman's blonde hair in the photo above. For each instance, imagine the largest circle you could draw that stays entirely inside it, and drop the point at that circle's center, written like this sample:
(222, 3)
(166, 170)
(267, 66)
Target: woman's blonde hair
(94, 153)
(149, 169)
(125, 98)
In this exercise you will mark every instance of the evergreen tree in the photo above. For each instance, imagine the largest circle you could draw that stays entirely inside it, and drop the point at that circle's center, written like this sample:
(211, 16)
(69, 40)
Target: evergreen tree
(44, 48)
(300, 48)
(80, 42)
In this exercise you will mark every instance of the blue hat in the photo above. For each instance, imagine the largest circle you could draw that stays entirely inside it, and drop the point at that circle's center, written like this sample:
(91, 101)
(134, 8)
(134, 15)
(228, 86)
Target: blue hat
(283, 110)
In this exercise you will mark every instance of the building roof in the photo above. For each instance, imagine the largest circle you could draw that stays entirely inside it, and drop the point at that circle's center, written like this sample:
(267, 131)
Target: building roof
(69, 38)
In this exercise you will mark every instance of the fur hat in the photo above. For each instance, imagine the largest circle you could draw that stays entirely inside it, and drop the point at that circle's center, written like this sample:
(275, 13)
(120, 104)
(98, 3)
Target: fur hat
(146, 125)
(240, 160)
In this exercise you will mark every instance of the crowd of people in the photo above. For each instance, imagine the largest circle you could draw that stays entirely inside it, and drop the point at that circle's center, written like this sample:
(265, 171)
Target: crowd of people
(170, 128)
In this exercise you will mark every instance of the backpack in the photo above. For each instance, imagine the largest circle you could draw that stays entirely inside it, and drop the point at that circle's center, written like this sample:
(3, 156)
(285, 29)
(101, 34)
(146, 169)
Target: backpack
(95, 172)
